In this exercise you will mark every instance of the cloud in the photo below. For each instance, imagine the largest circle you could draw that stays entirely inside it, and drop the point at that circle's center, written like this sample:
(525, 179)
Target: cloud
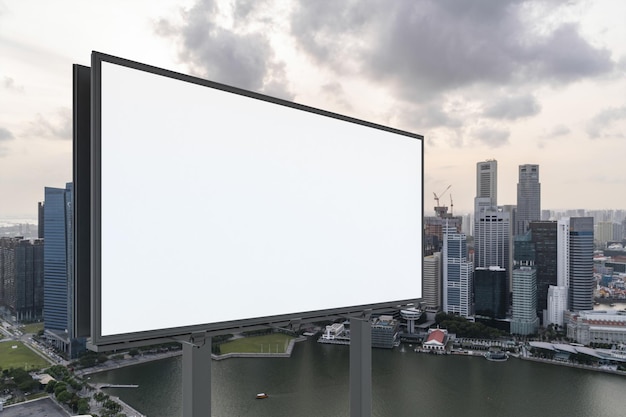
(425, 55)
(335, 92)
(425, 47)
(601, 125)
(5, 134)
(229, 54)
(493, 137)
(565, 56)
(512, 108)
(551, 134)
(9, 84)
(428, 116)
(559, 130)
(57, 127)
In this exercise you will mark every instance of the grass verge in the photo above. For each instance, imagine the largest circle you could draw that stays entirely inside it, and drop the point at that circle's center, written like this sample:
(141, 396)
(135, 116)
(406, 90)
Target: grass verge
(270, 343)
(20, 356)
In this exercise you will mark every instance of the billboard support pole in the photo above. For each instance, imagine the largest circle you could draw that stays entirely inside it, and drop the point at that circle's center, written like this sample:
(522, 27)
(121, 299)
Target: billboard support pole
(197, 376)
(360, 366)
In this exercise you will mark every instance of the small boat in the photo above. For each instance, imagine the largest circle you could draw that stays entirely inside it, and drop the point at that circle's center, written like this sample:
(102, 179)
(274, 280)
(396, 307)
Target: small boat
(261, 396)
(496, 356)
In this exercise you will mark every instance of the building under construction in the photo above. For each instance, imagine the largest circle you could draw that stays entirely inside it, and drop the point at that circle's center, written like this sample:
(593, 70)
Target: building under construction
(433, 226)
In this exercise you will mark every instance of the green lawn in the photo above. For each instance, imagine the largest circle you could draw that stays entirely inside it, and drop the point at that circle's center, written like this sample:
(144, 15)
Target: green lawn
(20, 357)
(270, 343)
(32, 328)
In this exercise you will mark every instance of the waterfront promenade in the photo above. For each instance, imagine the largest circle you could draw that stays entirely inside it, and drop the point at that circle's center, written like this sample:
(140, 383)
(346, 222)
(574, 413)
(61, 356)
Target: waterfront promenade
(149, 357)
(122, 363)
(573, 365)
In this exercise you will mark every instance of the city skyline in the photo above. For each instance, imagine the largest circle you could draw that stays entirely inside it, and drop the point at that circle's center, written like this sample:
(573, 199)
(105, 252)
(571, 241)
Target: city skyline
(519, 82)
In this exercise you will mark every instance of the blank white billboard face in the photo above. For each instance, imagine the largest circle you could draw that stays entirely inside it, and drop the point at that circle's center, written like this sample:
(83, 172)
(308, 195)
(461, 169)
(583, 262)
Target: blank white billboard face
(219, 207)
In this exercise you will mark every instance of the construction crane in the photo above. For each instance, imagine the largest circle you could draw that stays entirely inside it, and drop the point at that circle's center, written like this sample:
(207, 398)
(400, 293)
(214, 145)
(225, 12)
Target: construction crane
(451, 206)
(440, 211)
(441, 194)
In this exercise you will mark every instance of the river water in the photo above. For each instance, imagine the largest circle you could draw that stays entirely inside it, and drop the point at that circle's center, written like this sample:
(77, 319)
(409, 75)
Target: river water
(314, 382)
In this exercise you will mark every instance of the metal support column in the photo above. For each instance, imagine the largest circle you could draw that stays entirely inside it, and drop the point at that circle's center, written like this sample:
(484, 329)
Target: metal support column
(360, 367)
(197, 376)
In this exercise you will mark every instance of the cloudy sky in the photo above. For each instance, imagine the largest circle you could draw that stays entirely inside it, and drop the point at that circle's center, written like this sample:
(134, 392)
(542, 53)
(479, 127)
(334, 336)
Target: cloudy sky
(539, 82)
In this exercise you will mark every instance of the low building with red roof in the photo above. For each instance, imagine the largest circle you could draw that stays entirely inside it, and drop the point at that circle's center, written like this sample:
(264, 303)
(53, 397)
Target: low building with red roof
(436, 340)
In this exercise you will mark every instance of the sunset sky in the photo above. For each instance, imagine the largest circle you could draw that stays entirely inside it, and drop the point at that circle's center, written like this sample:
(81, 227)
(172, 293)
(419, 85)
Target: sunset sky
(540, 82)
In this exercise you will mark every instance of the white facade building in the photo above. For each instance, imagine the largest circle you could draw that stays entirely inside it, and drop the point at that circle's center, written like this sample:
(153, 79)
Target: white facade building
(557, 304)
(596, 326)
(333, 331)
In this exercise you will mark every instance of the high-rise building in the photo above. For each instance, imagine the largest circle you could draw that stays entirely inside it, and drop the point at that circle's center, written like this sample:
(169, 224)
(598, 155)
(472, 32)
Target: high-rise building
(431, 283)
(58, 270)
(40, 220)
(618, 232)
(457, 274)
(543, 236)
(562, 253)
(487, 180)
(21, 277)
(528, 198)
(492, 238)
(603, 233)
(557, 304)
(575, 261)
(581, 263)
(433, 231)
(28, 296)
(7, 266)
(524, 308)
(491, 292)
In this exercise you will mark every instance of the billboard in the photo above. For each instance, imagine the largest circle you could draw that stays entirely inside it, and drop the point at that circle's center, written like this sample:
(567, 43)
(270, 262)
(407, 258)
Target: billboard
(214, 207)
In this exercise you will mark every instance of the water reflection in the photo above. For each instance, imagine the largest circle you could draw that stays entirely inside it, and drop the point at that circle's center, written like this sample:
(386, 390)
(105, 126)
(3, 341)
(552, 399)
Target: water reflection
(314, 382)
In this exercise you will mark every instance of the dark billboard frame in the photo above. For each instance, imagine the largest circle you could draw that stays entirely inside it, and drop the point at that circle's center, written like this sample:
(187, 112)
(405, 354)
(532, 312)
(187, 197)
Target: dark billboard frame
(99, 341)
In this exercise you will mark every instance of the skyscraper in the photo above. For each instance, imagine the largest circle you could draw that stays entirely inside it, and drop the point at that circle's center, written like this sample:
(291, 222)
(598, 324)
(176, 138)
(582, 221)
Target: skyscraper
(575, 261)
(487, 180)
(491, 292)
(492, 238)
(581, 263)
(524, 308)
(27, 297)
(432, 282)
(562, 253)
(457, 274)
(528, 198)
(58, 269)
(543, 236)
(21, 277)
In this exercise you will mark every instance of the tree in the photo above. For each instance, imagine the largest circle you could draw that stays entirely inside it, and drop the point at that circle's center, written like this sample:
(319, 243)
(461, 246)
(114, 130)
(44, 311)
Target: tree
(83, 406)
(50, 386)
(112, 406)
(28, 386)
(59, 388)
(63, 396)
(59, 372)
(100, 397)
